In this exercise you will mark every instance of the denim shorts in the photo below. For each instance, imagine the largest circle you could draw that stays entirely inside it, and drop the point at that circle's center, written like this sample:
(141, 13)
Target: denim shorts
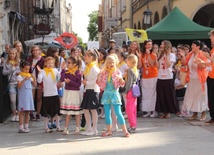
(12, 88)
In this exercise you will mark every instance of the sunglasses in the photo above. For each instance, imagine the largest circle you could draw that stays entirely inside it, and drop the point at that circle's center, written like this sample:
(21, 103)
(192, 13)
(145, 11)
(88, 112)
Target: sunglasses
(147, 40)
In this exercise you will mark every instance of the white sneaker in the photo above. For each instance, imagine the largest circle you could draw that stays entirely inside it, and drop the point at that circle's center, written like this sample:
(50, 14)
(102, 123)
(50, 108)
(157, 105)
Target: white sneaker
(147, 115)
(85, 132)
(13, 119)
(154, 114)
(91, 133)
(17, 118)
(27, 130)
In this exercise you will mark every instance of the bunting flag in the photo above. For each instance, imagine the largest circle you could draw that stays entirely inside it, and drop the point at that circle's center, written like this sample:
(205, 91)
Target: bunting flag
(136, 35)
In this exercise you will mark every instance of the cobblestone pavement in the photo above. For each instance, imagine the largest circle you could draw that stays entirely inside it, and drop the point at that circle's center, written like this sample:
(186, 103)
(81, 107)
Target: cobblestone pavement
(173, 136)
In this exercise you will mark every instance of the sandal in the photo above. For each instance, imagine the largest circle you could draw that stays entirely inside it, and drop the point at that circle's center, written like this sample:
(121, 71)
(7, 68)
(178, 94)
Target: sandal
(167, 115)
(48, 131)
(66, 131)
(127, 134)
(77, 131)
(107, 133)
(59, 130)
(163, 116)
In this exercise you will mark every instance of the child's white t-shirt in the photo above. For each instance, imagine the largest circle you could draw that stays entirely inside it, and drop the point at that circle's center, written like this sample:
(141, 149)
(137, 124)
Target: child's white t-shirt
(49, 84)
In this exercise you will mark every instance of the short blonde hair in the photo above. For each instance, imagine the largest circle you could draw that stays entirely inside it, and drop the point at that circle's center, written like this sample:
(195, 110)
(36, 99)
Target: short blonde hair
(49, 59)
(133, 58)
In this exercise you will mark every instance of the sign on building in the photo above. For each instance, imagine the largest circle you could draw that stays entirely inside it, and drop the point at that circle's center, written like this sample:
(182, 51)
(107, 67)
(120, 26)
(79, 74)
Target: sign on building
(110, 22)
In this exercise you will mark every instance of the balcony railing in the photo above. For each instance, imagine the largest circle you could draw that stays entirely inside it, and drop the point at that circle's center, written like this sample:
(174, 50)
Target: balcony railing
(139, 4)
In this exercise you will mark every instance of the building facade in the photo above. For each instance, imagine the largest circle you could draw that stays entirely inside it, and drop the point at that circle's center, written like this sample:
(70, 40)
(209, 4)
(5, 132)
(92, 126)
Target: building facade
(130, 14)
(18, 19)
(2, 42)
(200, 11)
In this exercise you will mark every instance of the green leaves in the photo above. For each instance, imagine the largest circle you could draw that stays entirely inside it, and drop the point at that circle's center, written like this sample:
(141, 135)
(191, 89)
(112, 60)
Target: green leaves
(93, 26)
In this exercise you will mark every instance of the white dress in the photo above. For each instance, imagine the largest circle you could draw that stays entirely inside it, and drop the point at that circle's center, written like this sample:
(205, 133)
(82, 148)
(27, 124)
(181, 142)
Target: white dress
(195, 100)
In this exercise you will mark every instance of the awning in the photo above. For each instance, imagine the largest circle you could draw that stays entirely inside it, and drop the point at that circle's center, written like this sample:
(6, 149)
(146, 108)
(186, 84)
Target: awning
(17, 15)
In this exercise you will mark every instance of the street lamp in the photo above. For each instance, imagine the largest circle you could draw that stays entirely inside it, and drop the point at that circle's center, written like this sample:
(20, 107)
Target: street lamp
(7, 3)
(147, 17)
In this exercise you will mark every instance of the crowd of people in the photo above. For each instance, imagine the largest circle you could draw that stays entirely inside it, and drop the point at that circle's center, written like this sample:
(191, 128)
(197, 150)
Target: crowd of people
(100, 83)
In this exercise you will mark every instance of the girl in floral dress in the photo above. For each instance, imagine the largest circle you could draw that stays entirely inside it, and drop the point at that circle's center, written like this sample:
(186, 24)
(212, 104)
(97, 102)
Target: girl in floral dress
(109, 80)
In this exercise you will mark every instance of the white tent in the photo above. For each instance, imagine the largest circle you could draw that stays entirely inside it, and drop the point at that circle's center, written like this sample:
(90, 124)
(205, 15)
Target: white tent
(48, 39)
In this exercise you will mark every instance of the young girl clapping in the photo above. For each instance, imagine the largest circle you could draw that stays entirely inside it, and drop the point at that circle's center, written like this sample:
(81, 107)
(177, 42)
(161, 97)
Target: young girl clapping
(25, 96)
(51, 104)
(71, 98)
(109, 80)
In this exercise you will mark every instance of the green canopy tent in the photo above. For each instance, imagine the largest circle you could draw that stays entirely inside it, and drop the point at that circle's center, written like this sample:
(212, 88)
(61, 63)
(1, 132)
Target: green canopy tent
(177, 26)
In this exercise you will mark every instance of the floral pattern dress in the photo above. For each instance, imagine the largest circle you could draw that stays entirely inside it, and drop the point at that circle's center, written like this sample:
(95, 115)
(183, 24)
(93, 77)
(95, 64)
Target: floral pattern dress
(111, 95)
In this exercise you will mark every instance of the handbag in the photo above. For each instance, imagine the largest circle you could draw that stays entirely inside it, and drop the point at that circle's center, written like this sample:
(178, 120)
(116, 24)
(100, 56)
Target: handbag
(135, 90)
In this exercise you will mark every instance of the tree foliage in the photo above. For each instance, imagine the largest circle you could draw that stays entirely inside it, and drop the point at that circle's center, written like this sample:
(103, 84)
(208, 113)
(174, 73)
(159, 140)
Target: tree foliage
(93, 26)
(80, 42)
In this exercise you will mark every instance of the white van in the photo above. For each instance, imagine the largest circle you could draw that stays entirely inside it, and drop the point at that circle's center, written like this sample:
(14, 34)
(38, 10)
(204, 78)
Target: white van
(120, 38)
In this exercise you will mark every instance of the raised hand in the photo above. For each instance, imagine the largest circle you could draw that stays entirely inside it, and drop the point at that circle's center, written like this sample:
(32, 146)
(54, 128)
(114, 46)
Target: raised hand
(198, 61)
(38, 68)
(182, 53)
(67, 80)
(84, 81)
(122, 82)
(138, 53)
(147, 51)
(207, 55)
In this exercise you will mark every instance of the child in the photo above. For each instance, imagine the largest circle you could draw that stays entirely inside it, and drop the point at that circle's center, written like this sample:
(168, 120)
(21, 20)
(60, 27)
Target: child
(51, 104)
(90, 98)
(11, 69)
(131, 101)
(101, 62)
(109, 80)
(180, 89)
(25, 96)
(71, 98)
(122, 66)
